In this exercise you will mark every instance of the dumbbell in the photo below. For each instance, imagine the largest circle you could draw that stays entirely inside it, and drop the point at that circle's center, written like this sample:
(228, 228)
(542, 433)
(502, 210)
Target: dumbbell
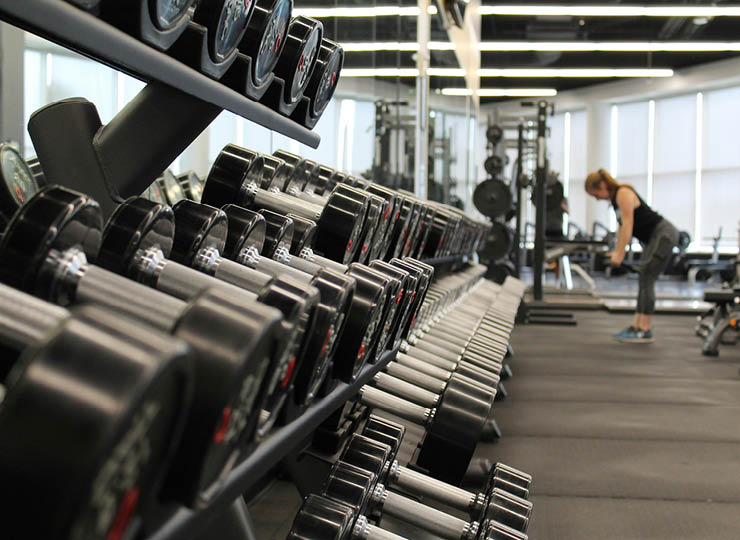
(501, 500)
(322, 518)
(235, 176)
(44, 252)
(357, 480)
(322, 84)
(322, 180)
(378, 215)
(277, 242)
(453, 428)
(264, 42)
(159, 23)
(201, 241)
(94, 401)
(364, 314)
(191, 184)
(295, 64)
(226, 23)
(18, 182)
(140, 236)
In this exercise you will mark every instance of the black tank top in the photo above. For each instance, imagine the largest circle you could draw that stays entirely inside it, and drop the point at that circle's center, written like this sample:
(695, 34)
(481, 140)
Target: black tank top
(646, 219)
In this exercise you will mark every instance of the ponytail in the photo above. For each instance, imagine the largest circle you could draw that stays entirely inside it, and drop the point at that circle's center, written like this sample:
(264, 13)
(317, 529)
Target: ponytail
(594, 180)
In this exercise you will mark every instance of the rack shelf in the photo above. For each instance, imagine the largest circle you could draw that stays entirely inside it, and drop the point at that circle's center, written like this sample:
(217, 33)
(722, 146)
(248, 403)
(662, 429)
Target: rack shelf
(183, 523)
(80, 31)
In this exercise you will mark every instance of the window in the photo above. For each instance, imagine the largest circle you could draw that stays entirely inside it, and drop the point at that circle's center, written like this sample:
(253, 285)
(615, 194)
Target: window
(674, 173)
(577, 168)
(720, 167)
(631, 166)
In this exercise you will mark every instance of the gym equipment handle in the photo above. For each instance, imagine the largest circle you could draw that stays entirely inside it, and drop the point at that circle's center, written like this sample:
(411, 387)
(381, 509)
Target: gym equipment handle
(407, 390)
(373, 397)
(25, 319)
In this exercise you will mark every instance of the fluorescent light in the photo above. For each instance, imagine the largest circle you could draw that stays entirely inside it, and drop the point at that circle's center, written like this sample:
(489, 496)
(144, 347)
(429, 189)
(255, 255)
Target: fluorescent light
(457, 92)
(395, 46)
(611, 11)
(380, 72)
(377, 11)
(517, 92)
(502, 92)
(510, 72)
(446, 72)
(532, 10)
(574, 72)
(610, 46)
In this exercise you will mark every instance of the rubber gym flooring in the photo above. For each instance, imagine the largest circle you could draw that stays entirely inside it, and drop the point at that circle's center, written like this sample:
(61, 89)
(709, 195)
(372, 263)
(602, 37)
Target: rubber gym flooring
(624, 441)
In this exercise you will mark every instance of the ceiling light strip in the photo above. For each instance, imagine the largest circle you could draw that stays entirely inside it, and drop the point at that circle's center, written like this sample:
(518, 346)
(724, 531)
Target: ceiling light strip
(611, 11)
(512, 72)
(502, 92)
(376, 11)
(609, 46)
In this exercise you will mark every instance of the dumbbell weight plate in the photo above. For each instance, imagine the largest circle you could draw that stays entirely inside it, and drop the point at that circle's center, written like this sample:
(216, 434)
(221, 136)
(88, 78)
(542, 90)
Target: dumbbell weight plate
(166, 14)
(264, 39)
(325, 76)
(298, 58)
(18, 184)
(171, 187)
(226, 21)
(492, 198)
(106, 435)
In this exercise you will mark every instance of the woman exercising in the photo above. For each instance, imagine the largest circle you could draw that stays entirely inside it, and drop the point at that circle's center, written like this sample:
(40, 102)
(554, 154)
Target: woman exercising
(657, 236)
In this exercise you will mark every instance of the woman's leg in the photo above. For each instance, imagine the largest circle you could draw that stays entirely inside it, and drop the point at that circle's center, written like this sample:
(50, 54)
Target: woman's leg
(656, 257)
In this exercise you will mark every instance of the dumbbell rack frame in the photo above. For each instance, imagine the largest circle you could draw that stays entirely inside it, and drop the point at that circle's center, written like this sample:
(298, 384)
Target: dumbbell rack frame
(185, 524)
(154, 140)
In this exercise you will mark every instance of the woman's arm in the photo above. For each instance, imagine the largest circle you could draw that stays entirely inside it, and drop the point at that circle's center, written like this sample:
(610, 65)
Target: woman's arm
(627, 202)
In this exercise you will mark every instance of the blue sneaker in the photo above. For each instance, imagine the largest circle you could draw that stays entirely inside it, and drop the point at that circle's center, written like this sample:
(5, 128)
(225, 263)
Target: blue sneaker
(635, 335)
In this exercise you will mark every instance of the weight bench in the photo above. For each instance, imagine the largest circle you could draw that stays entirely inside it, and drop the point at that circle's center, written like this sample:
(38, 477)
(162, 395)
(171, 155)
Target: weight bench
(723, 316)
(562, 249)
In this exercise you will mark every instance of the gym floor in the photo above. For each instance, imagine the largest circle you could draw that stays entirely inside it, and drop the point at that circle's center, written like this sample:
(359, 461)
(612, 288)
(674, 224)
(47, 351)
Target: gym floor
(623, 441)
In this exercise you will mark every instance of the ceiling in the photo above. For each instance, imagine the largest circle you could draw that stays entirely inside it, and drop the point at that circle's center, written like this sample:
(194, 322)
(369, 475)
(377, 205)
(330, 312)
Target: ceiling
(519, 28)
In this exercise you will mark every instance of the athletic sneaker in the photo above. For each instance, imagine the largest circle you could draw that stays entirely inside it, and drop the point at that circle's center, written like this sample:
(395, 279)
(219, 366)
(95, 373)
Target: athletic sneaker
(627, 332)
(635, 335)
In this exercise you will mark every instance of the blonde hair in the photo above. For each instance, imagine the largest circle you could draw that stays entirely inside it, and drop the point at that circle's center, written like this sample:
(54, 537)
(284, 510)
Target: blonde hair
(594, 180)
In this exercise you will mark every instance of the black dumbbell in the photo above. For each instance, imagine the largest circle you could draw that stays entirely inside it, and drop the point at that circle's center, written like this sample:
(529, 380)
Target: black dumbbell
(18, 182)
(157, 22)
(235, 177)
(264, 42)
(378, 215)
(196, 245)
(322, 84)
(44, 251)
(140, 236)
(322, 518)
(226, 22)
(500, 501)
(191, 184)
(451, 434)
(93, 400)
(361, 344)
(356, 480)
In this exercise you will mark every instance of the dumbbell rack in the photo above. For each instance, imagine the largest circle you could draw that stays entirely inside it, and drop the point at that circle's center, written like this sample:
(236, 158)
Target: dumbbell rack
(151, 142)
(182, 523)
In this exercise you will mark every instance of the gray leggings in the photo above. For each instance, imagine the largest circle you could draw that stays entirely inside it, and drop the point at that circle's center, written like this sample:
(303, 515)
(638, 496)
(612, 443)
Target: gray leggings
(655, 258)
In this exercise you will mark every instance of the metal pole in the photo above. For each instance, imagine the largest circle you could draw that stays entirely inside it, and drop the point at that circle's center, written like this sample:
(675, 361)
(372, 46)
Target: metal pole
(423, 33)
(519, 202)
(540, 200)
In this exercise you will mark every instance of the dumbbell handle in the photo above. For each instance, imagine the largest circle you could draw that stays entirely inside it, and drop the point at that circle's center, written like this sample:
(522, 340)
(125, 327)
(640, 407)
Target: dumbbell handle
(424, 517)
(414, 376)
(123, 295)
(409, 391)
(435, 489)
(284, 204)
(363, 530)
(372, 397)
(25, 319)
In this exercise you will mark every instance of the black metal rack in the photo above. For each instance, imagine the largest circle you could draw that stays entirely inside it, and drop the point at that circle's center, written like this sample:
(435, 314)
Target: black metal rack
(82, 32)
(182, 523)
(120, 159)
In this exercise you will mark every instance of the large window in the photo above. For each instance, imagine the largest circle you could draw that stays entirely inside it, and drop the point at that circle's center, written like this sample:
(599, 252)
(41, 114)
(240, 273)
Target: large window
(719, 204)
(630, 164)
(674, 174)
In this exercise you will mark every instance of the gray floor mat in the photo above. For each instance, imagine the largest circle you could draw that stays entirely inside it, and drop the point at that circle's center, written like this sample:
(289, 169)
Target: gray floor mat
(693, 471)
(572, 518)
(620, 421)
(539, 387)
